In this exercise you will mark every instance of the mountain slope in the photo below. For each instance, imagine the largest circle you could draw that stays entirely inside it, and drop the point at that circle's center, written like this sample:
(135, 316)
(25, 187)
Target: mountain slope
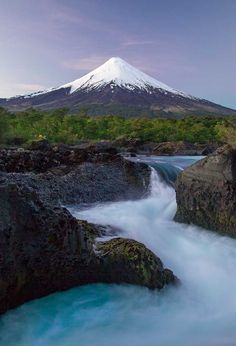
(117, 87)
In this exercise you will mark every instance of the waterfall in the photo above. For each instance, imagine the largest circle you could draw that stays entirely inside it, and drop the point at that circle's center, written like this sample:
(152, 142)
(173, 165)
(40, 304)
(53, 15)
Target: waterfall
(158, 186)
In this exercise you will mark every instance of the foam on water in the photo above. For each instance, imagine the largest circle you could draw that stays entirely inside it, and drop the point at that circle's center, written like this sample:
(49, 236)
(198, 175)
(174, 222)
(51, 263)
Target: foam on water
(202, 311)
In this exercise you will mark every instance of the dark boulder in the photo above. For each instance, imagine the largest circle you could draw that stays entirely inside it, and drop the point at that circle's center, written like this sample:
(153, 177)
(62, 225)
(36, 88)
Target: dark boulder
(206, 192)
(42, 145)
(126, 260)
(43, 248)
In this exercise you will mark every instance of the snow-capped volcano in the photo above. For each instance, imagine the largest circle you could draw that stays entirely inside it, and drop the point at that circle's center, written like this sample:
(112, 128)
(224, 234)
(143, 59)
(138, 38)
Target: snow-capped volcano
(117, 87)
(117, 72)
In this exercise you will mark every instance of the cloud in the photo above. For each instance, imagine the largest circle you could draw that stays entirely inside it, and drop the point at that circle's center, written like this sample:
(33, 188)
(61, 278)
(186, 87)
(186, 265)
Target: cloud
(8, 90)
(30, 87)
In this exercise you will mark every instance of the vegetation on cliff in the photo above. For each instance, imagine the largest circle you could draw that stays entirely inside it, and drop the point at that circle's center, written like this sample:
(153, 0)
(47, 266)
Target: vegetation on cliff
(57, 126)
(227, 133)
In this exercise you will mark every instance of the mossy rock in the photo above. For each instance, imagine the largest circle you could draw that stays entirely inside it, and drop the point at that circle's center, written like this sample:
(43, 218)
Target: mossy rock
(128, 261)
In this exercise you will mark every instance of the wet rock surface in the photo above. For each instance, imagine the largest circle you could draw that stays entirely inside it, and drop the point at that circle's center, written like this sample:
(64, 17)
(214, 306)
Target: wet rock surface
(206, 192)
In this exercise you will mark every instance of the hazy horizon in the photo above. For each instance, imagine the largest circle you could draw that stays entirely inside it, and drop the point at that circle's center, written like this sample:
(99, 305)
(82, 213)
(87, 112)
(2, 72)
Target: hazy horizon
(189, 46)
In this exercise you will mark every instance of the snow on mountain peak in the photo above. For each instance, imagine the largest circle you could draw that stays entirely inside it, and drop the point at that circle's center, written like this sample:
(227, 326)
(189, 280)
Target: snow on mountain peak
(117, 71)
(114, 72)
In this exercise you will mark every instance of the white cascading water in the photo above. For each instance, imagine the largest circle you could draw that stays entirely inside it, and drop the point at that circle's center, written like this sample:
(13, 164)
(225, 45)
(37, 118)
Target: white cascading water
(158, 188)
(201, 311)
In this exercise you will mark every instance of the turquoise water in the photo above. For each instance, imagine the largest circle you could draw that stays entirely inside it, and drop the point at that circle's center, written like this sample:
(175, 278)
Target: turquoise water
(202, 311)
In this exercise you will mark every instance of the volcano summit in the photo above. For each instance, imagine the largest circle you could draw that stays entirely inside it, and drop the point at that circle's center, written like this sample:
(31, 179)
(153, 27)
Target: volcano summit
(116, 87)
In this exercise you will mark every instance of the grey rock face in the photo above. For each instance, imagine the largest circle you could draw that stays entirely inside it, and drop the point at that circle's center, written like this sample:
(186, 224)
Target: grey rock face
(206, 192)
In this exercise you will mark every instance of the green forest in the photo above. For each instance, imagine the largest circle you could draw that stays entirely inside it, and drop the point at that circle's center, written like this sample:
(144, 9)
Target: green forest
(57, 126)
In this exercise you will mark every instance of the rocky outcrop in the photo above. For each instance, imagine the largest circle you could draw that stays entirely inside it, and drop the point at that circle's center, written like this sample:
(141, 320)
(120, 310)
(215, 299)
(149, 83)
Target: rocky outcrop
(44, 249)
(79, 174)
(206, 192)
(126, 260)
(40, 156)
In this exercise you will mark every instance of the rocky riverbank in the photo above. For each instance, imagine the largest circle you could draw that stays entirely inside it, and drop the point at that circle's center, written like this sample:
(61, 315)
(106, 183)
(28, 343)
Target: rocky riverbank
(61, 153)
(206, 192)
(43, 248)
(165, 148)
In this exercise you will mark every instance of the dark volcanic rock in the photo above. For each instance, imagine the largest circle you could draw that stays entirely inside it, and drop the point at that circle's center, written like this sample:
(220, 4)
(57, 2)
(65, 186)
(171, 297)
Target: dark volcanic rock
(79, 174)
(206, 192)
(44, 249)
(40, 156)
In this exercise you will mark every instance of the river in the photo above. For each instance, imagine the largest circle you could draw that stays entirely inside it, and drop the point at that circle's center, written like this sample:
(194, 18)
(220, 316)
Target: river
(201, 311)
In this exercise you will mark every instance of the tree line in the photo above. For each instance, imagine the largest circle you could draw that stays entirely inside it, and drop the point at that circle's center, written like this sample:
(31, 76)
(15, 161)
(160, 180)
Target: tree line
(57, 126)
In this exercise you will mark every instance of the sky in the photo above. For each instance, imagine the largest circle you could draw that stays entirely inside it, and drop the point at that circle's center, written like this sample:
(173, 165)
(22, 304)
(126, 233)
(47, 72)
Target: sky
(189, 45)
